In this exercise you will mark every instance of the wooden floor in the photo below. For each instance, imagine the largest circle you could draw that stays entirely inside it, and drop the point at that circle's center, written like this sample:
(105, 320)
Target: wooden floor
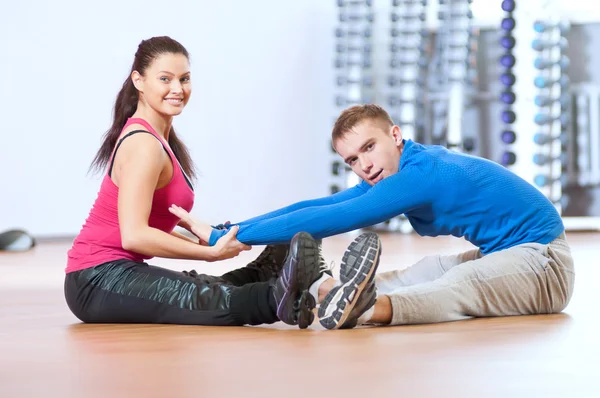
(46, 352)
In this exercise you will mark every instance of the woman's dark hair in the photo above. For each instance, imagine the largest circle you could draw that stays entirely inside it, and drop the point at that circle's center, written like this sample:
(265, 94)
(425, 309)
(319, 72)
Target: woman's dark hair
(127, 101)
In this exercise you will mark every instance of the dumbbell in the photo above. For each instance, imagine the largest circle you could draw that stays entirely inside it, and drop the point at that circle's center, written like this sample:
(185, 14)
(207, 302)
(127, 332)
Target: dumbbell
(544, 82)
(395, 32)
(397, 3)
(472, 46)
(419, 123)
(468, 144)
(541, 159)
(356, 17)
(460, 29)
(563, 201)
(545, 100)
(541, 63)
(508, 137)
(365, 63)
(507, 42)
(453, 15)
(468, 61)
(542, 119)
(540, 45)
(543, 138)
(508, 79)
(397, 63)
(395, 100)
(397, 17)
(343, 3)
(508, 158)
(394, 81)
(508, 5)
(543, 180)
(338, 168)
(403, 47)
(508, 97)
(508, 23)
(507, 60)
(339, 32)
(340, 48)
(365, 81)
(341, 101)
(508, 116)
(541, 26)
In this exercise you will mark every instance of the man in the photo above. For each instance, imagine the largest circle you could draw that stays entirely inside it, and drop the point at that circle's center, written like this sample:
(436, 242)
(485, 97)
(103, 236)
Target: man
(521, 265)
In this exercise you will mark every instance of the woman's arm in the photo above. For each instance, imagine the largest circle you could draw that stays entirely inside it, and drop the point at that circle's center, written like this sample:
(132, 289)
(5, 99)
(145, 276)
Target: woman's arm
(138, 166)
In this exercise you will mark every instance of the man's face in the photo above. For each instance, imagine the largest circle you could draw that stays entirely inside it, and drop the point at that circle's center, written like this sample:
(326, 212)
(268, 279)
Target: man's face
(372, 152)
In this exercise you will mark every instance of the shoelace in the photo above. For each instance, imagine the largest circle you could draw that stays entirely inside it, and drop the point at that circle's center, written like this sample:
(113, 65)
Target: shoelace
(322, 266)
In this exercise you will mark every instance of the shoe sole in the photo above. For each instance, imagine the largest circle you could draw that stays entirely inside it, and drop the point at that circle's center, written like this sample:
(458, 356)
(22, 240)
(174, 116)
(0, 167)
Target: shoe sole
(359, 263)
(299, 283)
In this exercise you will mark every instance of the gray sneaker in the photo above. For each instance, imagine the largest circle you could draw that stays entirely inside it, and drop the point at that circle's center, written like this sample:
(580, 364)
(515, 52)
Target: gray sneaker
(344, 304)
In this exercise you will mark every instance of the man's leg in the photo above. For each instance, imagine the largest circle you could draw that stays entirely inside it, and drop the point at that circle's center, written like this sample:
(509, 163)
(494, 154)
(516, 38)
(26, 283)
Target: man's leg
(524, 280)
(428, 269)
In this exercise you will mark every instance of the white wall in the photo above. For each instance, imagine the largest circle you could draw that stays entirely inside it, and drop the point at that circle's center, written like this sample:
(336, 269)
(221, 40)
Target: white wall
(257, 124)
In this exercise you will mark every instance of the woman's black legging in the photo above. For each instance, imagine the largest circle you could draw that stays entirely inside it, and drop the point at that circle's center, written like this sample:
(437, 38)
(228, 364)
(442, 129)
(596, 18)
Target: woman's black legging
(125, 291)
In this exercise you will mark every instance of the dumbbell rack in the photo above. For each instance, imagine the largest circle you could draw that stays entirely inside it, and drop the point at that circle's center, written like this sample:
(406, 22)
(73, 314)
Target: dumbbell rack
(548, 130)
(407, 65)
(353, 71)
(584, 167)
(540, 113)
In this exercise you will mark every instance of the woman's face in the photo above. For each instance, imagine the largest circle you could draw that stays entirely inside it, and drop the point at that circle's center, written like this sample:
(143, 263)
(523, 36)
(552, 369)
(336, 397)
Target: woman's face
(166, 86)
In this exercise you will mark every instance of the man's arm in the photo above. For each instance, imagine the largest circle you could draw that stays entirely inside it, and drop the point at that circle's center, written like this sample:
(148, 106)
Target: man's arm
(391, 197)
(338, 197)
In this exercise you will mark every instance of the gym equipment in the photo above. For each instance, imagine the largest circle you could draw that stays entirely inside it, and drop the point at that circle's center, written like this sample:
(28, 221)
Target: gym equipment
(542, 118)
(340, 48)
(541, 45)
(543, 180)
(365, 81)
(508, 116)
(544, 82)
(542, 26)
(508, 79)
(507, 60)
(508, 97)
(545, 100)
(507, 42)
(340, 33)
(541, 159)
(508, 137)
(365, 63)
(356, 17)
(508, 158)
(543, 139)
(542, 63)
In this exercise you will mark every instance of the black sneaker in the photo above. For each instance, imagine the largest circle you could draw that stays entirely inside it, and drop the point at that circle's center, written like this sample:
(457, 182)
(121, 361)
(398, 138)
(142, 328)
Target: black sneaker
(301, 268)
(344, 304)
(270, 261)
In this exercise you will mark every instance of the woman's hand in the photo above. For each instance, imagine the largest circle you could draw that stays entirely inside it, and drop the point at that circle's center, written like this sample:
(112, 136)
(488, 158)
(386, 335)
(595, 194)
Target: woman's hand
(201, 230)
(228, 246)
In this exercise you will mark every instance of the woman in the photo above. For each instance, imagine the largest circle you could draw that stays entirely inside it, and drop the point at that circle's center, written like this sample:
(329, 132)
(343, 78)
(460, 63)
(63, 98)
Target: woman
(147, 169)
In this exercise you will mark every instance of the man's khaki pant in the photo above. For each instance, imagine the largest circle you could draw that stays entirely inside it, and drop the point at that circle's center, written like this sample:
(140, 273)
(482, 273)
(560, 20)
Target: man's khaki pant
(527, 279)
